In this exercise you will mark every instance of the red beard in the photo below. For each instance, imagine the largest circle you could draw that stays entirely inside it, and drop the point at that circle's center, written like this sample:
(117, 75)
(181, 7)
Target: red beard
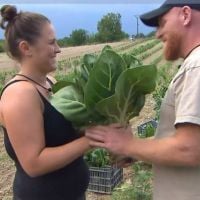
(172, 46)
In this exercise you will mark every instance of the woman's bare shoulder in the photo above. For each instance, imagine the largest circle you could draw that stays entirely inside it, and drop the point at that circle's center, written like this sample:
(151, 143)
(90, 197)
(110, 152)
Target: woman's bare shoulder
(21, 97)
(20, 94)
(18, 88)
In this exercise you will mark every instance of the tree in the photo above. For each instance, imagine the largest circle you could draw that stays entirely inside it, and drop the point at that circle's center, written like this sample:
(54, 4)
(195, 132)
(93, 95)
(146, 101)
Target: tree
(64, 42)
(2, 46)
(78, 37)
(109, 28)
(140, 35)
(151, 34)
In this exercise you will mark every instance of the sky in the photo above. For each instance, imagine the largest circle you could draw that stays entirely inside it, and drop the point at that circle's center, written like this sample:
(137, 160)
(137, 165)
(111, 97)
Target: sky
(68, 15)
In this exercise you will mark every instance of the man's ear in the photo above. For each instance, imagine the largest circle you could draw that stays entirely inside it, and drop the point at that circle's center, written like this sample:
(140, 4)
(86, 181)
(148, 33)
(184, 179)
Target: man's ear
(25, 48)
(186, 12)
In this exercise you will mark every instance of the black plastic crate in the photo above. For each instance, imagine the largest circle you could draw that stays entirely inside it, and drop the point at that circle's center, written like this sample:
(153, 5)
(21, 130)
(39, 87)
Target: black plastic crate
(104, 179)
(142, 128)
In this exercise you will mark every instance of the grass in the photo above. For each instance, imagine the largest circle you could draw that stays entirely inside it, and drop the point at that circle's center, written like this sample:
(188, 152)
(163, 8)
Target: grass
(140, 187)
(3, 157)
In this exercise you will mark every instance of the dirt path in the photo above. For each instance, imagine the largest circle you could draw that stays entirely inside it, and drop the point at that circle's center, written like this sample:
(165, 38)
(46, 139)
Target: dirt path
(151, 58)
(71, 52)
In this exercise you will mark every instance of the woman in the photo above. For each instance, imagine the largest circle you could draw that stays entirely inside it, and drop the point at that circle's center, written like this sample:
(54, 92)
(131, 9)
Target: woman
(44, 146)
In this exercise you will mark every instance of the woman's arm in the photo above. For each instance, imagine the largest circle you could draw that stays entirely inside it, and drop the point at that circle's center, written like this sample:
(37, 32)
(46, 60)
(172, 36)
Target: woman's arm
(23, 118)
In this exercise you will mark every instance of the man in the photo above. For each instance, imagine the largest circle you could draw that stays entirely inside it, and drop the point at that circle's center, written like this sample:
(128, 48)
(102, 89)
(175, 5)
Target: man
(175, 151)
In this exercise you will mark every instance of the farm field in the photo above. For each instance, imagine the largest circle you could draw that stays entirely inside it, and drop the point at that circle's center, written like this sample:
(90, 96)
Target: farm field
(66, 53)
(149, 51)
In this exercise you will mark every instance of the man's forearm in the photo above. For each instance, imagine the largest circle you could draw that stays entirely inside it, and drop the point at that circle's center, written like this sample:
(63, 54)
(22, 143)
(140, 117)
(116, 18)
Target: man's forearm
(167, 151)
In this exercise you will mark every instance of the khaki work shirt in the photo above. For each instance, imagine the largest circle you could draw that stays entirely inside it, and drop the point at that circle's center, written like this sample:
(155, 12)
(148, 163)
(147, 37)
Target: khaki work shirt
(180, 104)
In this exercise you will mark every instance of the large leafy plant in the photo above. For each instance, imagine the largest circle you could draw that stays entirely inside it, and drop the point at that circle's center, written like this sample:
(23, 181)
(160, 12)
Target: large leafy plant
(104, 89)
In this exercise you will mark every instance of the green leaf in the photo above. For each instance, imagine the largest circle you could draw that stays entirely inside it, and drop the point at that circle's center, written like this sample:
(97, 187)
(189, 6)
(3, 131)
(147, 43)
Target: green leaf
(140, 79)
(89, 61)
(118, 113)
(70, 103)
(107, 47)
(102, 79)
(60, 84)
(129, 96)
(131, 61)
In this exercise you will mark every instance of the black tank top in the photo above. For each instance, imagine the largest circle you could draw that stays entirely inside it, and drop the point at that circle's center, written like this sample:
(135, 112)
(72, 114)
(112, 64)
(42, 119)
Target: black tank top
(68, 183)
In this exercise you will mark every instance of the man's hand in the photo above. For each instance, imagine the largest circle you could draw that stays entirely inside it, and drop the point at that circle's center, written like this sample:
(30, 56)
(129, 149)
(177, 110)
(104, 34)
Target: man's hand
(114, 138)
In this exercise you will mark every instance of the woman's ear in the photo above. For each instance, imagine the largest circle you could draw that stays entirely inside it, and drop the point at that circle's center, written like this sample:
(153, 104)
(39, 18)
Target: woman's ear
(25, 48)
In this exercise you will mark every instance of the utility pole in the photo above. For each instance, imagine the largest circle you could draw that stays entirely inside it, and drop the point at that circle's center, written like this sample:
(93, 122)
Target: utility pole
(137, 23)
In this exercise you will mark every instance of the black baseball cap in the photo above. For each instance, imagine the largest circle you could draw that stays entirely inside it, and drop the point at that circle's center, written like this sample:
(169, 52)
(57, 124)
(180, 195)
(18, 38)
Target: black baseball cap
(151, 18)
